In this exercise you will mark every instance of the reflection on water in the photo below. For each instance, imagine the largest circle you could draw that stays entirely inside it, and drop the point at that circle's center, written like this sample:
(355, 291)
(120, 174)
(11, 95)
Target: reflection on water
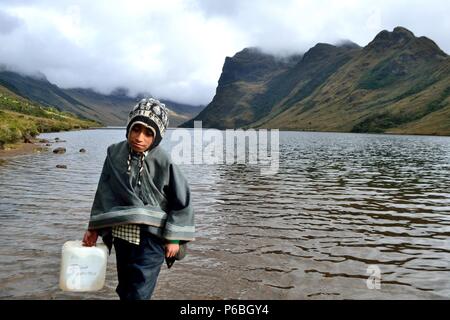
(339, 204)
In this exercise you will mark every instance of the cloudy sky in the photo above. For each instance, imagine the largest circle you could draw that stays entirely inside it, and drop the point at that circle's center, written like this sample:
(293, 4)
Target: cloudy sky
(175, 49)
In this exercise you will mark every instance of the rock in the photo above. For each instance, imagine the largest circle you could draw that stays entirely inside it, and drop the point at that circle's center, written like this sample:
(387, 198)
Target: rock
(44, 141)
(27, 138)
(48, 144)
(56, 139)
(82, 150)
(59, 150)
(39, 149)
(61, 166)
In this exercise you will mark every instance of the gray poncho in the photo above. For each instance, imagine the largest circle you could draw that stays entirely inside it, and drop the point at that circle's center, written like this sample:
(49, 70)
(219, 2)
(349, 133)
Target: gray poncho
(162, 202)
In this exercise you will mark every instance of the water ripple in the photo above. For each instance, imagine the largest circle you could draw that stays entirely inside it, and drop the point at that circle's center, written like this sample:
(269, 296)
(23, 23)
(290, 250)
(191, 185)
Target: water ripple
(339, 204)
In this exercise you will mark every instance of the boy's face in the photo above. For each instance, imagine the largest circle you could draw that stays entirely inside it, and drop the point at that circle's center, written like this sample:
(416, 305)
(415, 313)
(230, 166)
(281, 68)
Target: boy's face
(140, 138)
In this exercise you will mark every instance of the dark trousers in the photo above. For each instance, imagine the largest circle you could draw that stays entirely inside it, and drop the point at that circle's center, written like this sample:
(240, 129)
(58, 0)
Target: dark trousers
(138, 266)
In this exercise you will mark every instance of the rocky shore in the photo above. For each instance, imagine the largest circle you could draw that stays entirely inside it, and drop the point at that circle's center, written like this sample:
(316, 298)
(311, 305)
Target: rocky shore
(22, 148)
(32, 145)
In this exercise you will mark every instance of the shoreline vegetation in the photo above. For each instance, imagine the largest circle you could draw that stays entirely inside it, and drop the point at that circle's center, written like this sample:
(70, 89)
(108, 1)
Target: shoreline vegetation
(22, 120)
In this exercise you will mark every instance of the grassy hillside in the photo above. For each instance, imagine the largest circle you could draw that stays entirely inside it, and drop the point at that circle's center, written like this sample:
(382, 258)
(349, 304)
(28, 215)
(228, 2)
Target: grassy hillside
(317, 66)
(398, 83)
(21, 118)
(109, 109)
(244, 77)
(42, 92)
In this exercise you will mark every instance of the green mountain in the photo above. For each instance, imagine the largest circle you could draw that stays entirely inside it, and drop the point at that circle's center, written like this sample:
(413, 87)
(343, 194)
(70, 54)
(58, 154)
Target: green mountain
(22, 119)
(110, 109)
(38, 89)
(398, 83)
(113, 109)
(245, 77)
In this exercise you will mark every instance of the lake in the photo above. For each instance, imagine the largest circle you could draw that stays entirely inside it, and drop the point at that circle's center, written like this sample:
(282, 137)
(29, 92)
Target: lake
(347, 216)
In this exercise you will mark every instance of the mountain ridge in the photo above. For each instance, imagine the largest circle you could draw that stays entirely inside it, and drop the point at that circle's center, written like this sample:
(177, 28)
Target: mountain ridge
(22, 119)
(86, 103)
(398, 83)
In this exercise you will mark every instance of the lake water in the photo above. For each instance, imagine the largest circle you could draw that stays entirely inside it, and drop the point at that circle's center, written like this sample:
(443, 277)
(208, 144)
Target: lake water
(343, 209)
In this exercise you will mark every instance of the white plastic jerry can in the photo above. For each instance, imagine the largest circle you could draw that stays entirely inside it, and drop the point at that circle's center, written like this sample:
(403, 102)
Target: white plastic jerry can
(82, 268)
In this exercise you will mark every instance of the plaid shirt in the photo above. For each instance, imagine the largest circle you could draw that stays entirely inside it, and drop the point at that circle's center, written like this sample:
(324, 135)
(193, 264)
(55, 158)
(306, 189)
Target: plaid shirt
(128, 232)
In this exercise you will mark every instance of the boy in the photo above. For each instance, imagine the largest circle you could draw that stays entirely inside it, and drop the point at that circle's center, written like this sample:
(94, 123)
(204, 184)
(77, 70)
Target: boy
(142, 205)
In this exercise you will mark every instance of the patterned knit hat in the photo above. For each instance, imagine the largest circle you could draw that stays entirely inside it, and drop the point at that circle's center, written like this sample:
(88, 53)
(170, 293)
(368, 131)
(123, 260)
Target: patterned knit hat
(151, 113)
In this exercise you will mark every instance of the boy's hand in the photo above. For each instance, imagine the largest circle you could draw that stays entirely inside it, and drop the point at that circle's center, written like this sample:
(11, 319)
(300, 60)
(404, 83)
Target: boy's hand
(172, 249)
(90, 238)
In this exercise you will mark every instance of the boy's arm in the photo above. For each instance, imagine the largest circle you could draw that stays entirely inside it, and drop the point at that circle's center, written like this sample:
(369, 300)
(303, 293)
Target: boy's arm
(90, 238)
(180, 218)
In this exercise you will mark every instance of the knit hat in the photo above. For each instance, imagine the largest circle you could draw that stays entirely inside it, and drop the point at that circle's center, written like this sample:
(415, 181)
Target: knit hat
(151, 113)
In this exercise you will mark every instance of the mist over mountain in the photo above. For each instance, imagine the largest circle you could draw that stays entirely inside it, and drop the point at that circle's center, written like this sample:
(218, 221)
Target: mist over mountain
(398, 83)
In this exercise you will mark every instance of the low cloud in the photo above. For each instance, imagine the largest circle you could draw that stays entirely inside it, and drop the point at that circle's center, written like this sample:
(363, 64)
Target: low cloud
(8, 23)
(175, 49)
